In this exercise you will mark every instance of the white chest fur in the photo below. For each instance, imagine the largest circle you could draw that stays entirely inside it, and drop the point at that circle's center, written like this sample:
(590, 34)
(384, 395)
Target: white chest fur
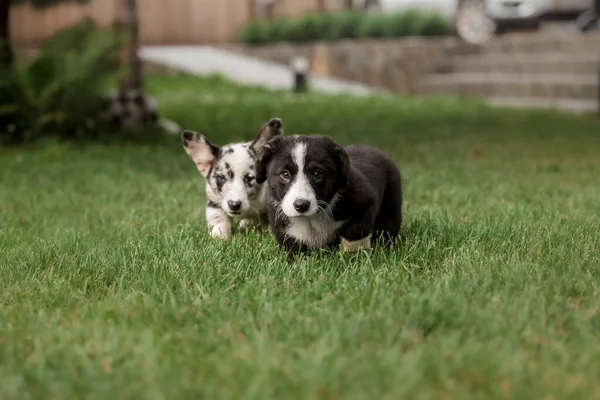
(314, 232)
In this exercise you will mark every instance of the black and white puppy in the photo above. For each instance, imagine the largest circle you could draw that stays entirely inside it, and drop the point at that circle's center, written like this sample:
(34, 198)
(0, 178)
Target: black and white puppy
(321, 194)
(231, 186)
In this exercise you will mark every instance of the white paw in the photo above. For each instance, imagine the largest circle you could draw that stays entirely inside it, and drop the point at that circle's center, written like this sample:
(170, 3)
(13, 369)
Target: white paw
(246, 223)
(362, 244)
(220, 232)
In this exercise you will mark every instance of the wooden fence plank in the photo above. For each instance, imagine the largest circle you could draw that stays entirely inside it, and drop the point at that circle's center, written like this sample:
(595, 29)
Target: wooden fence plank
(161, 22)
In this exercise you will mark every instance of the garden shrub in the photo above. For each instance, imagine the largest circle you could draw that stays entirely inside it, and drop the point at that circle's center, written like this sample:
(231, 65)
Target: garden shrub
(256, 33)
(345, 25)
(435, 25)
(377, 26)
(62, 91)
(418, 23)
(405, 24)
(294, 31)
(278, 30)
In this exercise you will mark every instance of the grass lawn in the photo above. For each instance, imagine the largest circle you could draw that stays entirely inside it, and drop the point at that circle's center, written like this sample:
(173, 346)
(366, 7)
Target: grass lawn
(110, 286)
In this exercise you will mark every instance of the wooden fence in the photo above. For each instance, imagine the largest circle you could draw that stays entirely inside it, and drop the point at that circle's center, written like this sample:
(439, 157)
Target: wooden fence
(161, 22)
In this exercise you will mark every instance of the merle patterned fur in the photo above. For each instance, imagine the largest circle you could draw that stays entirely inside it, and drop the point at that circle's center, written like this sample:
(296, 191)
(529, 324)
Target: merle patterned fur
(231, 187)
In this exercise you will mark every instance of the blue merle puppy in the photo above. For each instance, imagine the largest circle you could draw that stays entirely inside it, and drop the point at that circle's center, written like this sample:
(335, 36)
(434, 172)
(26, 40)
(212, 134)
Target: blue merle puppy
(231, 187)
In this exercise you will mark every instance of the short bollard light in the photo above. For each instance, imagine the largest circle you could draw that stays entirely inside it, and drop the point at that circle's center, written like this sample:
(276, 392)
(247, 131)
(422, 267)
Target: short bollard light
(300, 67)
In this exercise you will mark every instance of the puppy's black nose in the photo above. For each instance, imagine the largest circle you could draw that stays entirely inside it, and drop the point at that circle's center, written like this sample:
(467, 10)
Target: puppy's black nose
(187, 136)
(234, 205)
(301, 205)
(275, 123)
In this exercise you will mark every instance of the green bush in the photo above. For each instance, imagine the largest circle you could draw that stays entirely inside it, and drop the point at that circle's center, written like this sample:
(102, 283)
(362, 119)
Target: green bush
(255, 33)
(310, 27)
(61, 92)
(418, 23)
(435, 25)
(376, 26)
(345, 25)
(294, 30)
(279, 30)
(405, 24)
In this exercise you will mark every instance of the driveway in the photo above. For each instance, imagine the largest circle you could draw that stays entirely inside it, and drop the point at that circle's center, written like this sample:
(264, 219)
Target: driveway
(206, 60)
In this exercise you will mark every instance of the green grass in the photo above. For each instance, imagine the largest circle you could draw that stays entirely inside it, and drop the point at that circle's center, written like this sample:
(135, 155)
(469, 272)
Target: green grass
(111, 288)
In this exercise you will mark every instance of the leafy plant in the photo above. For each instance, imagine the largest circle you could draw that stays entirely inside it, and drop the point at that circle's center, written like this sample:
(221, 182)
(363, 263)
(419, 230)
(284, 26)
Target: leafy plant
(279, 30)
(418, 23)
(376, 26)
(435, 25)
(345, 25)
(255, 33)
(61, 92)
(314, 27)
(405, 24)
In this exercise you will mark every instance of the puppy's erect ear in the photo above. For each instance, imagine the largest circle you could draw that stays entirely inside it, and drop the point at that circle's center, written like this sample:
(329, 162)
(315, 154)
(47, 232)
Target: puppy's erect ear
(342, 160)
(200, 150)
(264, 158)
(270, 130)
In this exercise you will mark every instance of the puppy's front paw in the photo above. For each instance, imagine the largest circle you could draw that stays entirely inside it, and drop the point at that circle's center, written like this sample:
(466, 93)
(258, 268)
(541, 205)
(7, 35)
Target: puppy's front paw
(357, 245)
(220, 232)
(246, 223)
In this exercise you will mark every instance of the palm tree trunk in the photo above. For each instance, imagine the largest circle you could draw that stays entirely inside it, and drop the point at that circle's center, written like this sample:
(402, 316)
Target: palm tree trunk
(133, 79)
(6, 55)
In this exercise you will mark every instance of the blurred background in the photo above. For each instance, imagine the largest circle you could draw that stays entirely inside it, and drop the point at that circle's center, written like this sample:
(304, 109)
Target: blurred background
(521, 53)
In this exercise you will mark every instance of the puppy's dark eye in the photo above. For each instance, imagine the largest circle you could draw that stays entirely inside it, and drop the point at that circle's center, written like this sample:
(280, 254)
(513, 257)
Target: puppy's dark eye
(248, 180)
(285, 175)
(318, 174)
(220, 179)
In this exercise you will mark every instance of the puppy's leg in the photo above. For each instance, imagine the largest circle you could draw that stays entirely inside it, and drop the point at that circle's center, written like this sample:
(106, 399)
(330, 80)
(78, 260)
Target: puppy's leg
(357, 245)
(264, 219)
(258, 222)
(218, 222)
(246, 223)
(356, 236)
(389, 219)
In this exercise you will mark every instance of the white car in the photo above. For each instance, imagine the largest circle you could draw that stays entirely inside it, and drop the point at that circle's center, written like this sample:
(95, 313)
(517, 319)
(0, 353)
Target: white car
(476, 21)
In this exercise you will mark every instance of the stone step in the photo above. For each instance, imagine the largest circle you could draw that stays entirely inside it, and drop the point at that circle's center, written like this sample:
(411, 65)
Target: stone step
(550, 63)
(567, 105)
(511, 85)
(568, 43)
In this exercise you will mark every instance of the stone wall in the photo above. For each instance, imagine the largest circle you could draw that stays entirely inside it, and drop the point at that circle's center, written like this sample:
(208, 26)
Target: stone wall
(395, 65)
